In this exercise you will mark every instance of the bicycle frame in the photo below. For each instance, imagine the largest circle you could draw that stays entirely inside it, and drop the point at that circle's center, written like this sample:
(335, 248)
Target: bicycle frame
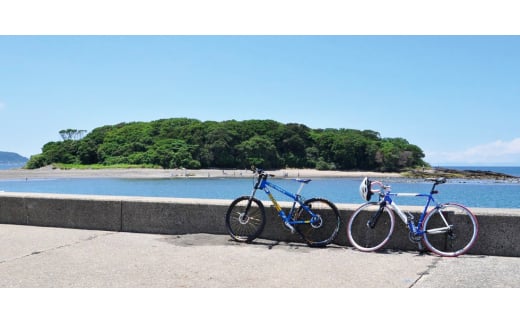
(408, 219)
(316, 220)
(263, 184)
(447, 229)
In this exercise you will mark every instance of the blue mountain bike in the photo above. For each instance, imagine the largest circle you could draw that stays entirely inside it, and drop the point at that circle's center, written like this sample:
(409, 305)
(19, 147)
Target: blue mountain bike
(447, 229)
(317, 220)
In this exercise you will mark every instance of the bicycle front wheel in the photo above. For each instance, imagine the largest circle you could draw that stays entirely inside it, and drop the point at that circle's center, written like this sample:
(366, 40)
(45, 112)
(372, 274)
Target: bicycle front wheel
(370, 227)
(450, 230)
(321, 229)
(245, 220)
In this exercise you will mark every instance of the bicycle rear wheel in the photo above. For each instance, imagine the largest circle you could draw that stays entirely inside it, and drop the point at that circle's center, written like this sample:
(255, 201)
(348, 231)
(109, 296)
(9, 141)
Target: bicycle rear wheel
(450, 230)
(321, 229)
(366, 237)
(245, 223)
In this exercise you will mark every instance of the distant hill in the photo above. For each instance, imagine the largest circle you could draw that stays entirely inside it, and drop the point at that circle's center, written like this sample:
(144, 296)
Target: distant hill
(193, 144)
(11, 158)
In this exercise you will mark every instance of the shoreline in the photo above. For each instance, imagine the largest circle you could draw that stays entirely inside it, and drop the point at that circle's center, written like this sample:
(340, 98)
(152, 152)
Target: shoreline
(50, 172)
(148, 173)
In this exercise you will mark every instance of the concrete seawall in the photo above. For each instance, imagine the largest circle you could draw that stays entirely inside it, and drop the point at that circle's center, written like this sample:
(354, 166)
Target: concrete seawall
(498, 234)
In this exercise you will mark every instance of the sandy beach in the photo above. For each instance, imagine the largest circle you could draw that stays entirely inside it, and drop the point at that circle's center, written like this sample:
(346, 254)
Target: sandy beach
(50, 173)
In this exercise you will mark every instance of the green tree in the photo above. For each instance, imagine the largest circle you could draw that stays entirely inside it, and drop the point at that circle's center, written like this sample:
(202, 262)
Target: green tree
(291, 141)
(60, 152)
(258, 151)
(171, 153)
(72, 134)
(125, 140)
(190, 143)
(220, 145)
(37, 161)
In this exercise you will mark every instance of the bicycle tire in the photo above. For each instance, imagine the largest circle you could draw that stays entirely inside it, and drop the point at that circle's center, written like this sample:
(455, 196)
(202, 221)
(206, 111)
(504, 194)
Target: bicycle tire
(245, 227)
(461, 236)
(365, 238)
(322, 232)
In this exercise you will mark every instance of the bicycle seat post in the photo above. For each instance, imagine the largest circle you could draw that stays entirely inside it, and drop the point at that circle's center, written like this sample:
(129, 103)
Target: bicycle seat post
(300, 190)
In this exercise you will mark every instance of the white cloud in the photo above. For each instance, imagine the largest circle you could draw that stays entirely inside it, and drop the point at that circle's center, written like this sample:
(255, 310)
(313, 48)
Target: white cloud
(495, 153)
(2, 106)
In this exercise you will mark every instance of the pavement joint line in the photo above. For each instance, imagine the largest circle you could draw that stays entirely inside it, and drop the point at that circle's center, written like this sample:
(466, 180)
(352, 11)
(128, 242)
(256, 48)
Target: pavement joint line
(38, 252)
(426, 272)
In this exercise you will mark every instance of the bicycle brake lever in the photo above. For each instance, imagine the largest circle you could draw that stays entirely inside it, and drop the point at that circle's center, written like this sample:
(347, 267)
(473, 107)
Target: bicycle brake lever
(257, 170)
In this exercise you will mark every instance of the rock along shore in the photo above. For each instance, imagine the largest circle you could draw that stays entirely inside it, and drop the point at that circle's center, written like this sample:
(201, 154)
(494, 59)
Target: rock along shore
(460, 174)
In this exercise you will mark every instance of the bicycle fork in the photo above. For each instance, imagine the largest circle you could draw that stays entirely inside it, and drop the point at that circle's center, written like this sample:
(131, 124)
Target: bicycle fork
(244, 218)
(373, 219)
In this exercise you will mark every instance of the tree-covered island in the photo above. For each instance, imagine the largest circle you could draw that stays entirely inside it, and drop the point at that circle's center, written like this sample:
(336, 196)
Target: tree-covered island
(193, 144)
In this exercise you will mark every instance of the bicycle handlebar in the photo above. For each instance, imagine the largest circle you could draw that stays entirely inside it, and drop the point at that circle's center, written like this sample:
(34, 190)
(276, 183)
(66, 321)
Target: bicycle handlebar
(260, 171)
(436, 181)
(381, 185)
(439, 180)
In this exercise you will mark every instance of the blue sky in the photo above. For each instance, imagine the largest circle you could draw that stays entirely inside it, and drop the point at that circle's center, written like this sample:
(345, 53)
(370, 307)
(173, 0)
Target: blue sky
(456, 97)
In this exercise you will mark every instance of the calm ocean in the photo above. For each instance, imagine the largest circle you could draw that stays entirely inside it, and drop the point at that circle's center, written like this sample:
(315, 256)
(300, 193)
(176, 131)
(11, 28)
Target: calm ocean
(490, 194)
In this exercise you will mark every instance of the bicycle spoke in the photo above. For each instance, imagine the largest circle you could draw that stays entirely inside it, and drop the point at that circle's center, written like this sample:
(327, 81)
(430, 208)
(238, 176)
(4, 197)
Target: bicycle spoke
(450, 230)
(368, 233)
(322, 226)
(242, 226)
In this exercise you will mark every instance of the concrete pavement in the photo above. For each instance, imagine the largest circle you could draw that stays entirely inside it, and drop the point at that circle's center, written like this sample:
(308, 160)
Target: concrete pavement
(55, 257)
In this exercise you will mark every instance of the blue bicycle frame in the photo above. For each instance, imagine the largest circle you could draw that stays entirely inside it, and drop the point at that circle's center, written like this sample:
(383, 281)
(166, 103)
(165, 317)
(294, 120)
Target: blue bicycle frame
(263, 184)
(408, 218)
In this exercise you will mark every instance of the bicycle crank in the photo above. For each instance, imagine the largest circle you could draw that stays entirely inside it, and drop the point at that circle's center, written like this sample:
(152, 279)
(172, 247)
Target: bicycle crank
(414, 238)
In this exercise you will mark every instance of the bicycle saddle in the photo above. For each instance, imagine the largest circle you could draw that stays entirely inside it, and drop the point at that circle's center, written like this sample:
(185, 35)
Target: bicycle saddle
(303, 180)
(440, 180)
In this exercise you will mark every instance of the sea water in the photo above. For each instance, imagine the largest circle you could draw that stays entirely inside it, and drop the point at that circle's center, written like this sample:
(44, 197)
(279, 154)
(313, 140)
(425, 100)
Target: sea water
(472, 193)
